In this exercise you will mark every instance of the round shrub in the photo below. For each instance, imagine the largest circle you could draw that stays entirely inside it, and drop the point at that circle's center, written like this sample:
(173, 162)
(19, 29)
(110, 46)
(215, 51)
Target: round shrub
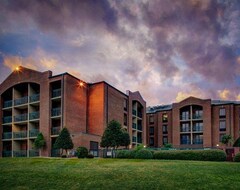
(144, 154)
(82, 152)
(90, 156)
(237, 157)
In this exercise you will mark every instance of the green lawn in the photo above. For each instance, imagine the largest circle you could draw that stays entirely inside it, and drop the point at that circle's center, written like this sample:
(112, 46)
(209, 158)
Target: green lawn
(54, 173)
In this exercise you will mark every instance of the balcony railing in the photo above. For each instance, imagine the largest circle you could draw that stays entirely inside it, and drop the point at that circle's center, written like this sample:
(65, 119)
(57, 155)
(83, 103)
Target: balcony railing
(7, 104)
(7, 153)
(7, 135)
(20, 134)
(55, 153)
(197, 141)
(21, 101)
(184, 117)
(33, 132)
(139, 140)
(139, 127)
(197, 116)
(134, 112)
(20, 153)
(55, 130)
(185, 141)
(139, 114)
(56, 112)
(34, 98)
(7, 119)
(33, 153)
(34, 115)
(185, 129)
(56, 93)
(197, 128)
(21, 117)
(134, 126)
(134, 139)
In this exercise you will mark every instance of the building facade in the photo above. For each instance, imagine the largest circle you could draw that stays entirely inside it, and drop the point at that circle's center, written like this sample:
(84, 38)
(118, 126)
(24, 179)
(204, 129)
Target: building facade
(193, 123)
(33, 102)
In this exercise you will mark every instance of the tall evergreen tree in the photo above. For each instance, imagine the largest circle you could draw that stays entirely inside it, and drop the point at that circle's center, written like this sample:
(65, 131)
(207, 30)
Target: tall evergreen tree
(64, 140)
(39, 142)
(125, 139)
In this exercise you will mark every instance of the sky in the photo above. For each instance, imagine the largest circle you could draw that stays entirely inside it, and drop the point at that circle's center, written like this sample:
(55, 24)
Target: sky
(166, 49)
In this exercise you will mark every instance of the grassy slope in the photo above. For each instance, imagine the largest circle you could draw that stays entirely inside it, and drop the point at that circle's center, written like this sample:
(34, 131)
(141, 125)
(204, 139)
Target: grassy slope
(40, 173)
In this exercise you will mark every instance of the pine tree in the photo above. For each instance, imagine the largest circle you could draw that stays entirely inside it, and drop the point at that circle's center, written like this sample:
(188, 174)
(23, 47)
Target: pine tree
(64, 140)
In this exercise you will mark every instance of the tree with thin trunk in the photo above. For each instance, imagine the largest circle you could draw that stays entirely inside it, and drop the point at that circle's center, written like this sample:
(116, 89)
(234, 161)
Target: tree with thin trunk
(226, 139)
(39, 142)
(64, 141)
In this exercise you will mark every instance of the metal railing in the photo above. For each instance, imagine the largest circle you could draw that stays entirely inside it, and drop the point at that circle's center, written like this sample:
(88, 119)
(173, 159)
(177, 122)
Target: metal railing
(55, 153)
(21, 101)
(7, 119)
(34, 115)
(20, 153)
(7, 153)
(7, 104)
(56, 93)
(56, 112)
(134, 139)
(33, 132)
(184, 117)
(197, 116)
(34, 98)
(185, 142)
(7, 135)
(185, 129)
(21, 117)
(139, 127)
(20, 134)
(55, 130)
(33, 153)
(197, 141)
(134, 112)
(197, 128)
(134, 126)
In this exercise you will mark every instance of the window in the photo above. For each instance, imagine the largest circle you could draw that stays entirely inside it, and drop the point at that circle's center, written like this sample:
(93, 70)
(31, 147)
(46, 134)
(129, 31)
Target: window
(185, 127)
(151, 119)
(151, 131)
(165, 140)
(165, 129)
(198, 126)
(197, 139)
(185, 139)
(125, 104)
(125, 119)
(151, 141)
(164, 117)
(222, 113)
(198, 114)
(221, 136)
(222, 126)
(185, 115)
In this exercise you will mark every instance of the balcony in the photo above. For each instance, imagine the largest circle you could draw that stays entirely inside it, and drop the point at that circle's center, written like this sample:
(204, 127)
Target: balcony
(197, 128)
(7, 135)
(139, 140)
(139, 114)
(134, 126)
(139, 127)
(184, 117)
(134, 139)
(56, 93)
(183, 141)
(33, 153)
(34, 98)
(55, 153)
(21, 117)
(185, 130)
(55, 130)
(33, 132)
(20, 134)
(197, 116)
(7, 119)
(20, 101)
(7, 104)
(134, 112)
(197, 141)
(56, 112)
(7, 153)
(20, 153)
(34, 115)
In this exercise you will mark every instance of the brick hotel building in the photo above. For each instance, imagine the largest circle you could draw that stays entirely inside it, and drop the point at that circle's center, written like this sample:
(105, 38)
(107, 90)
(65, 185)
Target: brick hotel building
(33, 102)
(193, 123)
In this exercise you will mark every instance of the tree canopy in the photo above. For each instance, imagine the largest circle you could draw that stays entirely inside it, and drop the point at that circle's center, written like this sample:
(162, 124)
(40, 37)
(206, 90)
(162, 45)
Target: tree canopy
(39, 142)
(64, 140)
(114, 136)
(237, 143)
(226, 139)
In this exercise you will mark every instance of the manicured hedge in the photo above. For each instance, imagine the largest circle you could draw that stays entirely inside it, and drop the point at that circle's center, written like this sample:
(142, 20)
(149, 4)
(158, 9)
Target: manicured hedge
(202, 155)
(144, 154)
(237, 157)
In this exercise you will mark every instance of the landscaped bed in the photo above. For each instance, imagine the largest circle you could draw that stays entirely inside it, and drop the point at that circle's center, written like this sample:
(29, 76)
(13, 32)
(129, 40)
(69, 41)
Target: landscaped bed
(98, 173)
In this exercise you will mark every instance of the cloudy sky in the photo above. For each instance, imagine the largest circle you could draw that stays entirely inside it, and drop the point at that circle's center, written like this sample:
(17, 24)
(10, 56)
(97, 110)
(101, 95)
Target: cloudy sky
(166, 49)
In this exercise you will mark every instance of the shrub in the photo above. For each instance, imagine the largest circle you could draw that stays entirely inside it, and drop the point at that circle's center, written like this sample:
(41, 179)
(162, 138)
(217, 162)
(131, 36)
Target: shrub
(237, 157)
(123, 154)
(90, 156)
(202, 155)
(168, 145)
(82, 152)
(144, 154)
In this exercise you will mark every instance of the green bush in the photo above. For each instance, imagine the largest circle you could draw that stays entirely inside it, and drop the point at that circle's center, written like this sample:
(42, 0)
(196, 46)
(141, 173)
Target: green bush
(122, 153)
(82, 152)
(237, 157)
(202, 155)
(144, 154)
(90, 156)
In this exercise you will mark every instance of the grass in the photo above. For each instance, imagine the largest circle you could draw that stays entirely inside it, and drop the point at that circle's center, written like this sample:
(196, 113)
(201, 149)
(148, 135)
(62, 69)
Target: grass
(57, 173)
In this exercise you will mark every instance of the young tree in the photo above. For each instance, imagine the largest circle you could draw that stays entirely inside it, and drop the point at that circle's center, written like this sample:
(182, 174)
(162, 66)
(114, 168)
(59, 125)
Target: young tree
(226, 139)
(39, 142)
(64, 140)
(237, 143)
(125, 139)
